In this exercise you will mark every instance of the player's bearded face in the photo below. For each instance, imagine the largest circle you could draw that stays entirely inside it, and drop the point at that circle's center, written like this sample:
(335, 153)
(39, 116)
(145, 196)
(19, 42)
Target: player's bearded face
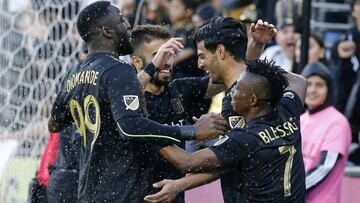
(162, 77)
(213, 70)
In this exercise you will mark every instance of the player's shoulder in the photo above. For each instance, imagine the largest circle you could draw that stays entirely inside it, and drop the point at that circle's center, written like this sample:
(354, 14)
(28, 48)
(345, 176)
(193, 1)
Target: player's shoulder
(291, 101)
(116, 61)
(241, 134)
(185, 81)
(116, 65)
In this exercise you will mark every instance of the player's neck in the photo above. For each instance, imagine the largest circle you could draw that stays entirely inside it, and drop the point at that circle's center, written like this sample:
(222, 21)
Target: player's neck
(232, 73)
(258, 112)
(97, 48)
(154, 89)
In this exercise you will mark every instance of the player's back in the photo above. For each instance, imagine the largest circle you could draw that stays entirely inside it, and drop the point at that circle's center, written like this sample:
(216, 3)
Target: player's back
(274, 168)
(111, 168)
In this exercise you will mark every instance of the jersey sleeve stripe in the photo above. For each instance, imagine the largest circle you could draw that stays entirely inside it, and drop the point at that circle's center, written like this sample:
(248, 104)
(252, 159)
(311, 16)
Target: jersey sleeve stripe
(147, 136)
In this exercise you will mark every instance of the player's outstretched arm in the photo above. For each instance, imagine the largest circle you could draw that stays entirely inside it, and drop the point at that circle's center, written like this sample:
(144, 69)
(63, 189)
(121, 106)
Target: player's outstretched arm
(171, 188)
(208, 126)
(261, 33)
(202, 160)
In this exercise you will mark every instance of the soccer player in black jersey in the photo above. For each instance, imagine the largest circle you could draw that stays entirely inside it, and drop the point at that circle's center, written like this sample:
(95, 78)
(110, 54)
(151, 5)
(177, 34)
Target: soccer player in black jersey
(167, 101)
(172, 101)
(265, 153)
(222, 51)
(101, 96)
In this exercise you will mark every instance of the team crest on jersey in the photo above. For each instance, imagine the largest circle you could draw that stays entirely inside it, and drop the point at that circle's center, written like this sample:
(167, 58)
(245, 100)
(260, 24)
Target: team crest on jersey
(221, 140)
(177, 106)
(236, 121)
(131, 102)
(289, 95)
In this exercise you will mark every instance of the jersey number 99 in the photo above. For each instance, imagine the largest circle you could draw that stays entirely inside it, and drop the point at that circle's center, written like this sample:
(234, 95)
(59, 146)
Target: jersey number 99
(82, 119)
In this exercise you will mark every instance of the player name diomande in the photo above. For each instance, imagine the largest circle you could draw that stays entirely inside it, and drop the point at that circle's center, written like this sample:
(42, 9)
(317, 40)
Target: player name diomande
(84, 77)
(285, 129)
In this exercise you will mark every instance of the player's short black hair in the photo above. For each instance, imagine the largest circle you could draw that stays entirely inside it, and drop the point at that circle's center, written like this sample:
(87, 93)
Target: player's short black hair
(226, 31)
(146, 33)
(90, 17)
(274, 75)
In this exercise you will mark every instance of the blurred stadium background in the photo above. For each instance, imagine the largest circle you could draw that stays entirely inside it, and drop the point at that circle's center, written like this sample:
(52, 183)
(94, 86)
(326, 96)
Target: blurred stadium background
(38, 44)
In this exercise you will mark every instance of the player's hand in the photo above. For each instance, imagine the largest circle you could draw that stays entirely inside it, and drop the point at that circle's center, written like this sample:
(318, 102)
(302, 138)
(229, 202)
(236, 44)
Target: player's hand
(166, 194)
(346, 49)
(210, 126)
(167, 51)
(262, 32)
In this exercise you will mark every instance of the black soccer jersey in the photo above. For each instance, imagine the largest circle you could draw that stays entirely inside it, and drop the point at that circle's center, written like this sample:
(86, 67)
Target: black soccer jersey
(229, 185)
(101, 96)
(267, 154)
(173, 107)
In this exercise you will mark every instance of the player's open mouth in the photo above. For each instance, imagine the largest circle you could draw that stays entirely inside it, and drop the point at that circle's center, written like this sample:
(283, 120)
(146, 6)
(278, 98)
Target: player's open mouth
(165, 71)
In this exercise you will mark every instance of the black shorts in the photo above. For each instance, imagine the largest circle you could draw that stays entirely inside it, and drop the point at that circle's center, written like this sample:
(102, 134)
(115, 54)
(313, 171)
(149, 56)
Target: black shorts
(63, 186)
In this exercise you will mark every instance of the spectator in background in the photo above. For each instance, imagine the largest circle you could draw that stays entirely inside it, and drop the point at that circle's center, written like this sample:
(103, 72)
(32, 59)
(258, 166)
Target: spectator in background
(204, 12)
(185, 63)
(247, 17)
(346, 62)
(326, 137)
(234, 8)
(316, 51)
(283, 53)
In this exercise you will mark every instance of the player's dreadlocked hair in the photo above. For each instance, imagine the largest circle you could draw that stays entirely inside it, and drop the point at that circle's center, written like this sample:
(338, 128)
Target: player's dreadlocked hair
(226, 31)
(90, 17)
(274, 75)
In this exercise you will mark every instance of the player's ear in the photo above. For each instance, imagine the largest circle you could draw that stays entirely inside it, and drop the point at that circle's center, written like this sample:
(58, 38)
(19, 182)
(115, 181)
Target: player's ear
(221, 50)
(253, 100)
(107, 32)
(138, 63)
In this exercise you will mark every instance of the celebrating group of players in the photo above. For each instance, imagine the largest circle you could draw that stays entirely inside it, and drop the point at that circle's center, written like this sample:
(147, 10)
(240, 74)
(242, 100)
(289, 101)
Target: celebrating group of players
(133, 123)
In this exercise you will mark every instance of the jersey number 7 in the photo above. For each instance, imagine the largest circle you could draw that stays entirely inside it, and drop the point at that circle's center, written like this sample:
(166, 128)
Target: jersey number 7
(83, 120)
(287, 174)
